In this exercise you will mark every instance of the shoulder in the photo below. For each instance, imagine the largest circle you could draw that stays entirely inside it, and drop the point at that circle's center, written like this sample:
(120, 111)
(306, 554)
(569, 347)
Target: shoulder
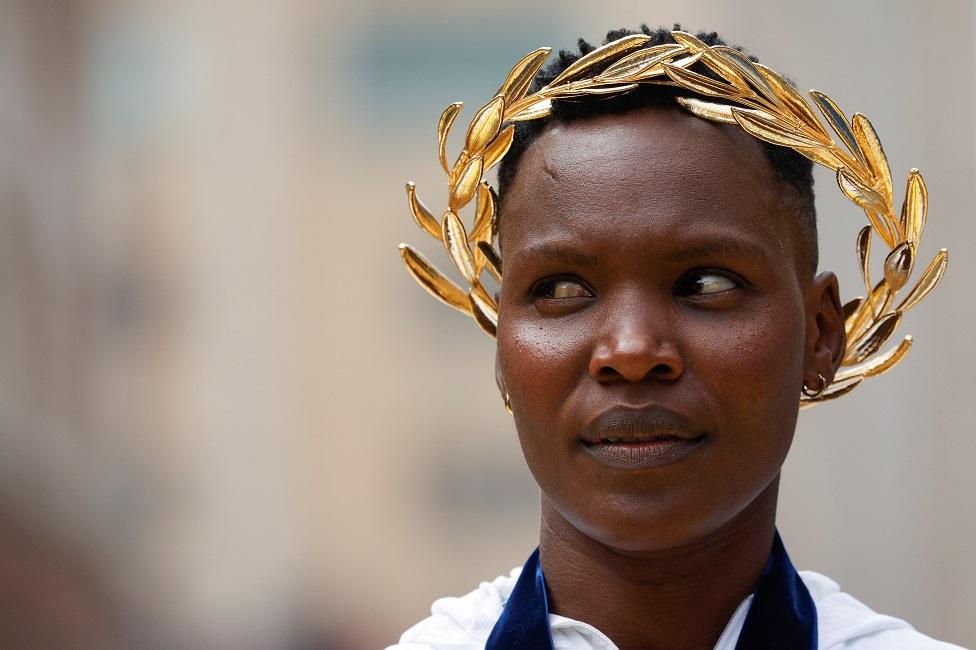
(461, 623)
(845, 623)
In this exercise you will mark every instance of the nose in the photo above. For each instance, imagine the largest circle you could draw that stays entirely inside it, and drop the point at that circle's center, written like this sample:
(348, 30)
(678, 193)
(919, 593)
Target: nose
(634, 346)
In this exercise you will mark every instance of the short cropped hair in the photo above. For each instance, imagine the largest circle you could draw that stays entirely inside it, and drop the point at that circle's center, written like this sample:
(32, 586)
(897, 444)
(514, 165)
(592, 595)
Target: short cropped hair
(792, 171)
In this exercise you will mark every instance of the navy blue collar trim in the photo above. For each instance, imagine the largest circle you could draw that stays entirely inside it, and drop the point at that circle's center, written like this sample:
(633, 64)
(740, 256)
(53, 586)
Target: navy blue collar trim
(782, 613)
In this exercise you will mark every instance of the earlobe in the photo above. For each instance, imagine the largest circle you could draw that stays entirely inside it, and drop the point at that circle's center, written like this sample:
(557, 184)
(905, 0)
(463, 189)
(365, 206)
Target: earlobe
(502, 388)
(826, 336)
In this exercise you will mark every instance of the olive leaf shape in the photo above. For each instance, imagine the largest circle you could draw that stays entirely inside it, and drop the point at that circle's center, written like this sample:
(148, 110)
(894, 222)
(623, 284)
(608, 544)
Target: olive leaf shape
(484, 309)
(532, 111)
(427, 276)
(878, 364)
(913, 210)
(466, 184)
(746, 70)
(873, 153)
(456, 244)
(638, 62)
(851, 306)
(794, 102)
(443, 128)
(707, 110)
(837, 120)
(864, 255)
(598, 56)
(872, 340)
(485, 213)
(618, 89)
(699, 83)
(498, 147)
(485, 125)
(689, 41)
(929, 280)
(421, 213)
(520, 78)
(493, 261)
(854, 189)
(766, 127)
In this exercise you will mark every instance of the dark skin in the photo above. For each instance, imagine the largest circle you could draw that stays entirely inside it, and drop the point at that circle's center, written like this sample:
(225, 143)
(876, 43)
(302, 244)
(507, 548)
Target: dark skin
(652, 266)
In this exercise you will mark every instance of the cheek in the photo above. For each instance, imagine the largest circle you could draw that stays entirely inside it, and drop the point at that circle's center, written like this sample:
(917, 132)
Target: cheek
(541, 363)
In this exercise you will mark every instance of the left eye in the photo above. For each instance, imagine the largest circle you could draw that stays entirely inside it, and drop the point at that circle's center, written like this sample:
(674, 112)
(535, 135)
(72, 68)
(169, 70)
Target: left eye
(704, 284)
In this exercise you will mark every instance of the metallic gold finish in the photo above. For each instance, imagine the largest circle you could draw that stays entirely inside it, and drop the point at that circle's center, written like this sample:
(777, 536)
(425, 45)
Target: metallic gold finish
(755, 97)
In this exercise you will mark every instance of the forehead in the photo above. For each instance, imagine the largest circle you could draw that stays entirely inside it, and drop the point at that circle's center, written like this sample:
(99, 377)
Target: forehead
(654, 168)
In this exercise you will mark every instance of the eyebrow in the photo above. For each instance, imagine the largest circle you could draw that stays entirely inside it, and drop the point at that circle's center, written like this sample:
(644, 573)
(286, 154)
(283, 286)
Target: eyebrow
(559, 253)
(738, 247)
(697, 250)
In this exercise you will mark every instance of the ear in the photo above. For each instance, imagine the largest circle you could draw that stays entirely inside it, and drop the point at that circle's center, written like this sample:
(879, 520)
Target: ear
(826, 339)
(499, 380)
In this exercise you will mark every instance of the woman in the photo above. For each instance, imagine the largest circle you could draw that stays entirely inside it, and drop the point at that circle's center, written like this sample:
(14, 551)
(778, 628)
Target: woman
(660, 312)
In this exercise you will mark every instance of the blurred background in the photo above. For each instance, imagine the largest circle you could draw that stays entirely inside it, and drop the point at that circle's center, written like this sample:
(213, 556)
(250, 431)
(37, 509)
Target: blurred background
(229, 419)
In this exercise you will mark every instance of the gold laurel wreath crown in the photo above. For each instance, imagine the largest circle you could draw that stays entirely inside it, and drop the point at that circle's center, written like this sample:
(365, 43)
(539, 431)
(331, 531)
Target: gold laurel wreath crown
(764, 104)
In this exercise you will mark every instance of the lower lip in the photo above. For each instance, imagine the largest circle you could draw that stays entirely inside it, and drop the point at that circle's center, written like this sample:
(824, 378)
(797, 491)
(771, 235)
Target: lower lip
(643, 455)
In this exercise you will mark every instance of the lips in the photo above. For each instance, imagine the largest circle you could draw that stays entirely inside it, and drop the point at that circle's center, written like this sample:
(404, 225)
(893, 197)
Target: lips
(627, 438)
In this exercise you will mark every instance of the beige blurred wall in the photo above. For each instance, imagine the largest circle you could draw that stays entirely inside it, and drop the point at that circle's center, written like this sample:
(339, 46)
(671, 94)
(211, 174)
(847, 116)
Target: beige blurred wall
(235, 421)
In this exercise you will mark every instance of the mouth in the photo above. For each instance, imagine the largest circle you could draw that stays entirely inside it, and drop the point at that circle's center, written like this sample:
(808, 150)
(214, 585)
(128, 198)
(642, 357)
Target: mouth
(626, 438)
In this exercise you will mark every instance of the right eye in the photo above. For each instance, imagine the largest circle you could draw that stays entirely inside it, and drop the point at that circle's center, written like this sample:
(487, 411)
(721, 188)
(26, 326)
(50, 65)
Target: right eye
(561, 289)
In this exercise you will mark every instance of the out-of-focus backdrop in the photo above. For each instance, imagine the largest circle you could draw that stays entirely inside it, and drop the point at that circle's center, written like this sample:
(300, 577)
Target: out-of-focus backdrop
(228, 418)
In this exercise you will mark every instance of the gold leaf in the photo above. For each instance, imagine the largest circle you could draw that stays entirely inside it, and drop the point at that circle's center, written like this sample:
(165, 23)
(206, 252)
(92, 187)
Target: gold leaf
(434, 281)
(533, 111)
(466, 184)
(421, 214)
(485, 125)
(873, 153)
(838, 121)
(614, 89)
(746, 69)
(658, 69)
(873, 338)
(443, 128)
(864, 255)
(493, 261)
(484, 311)
(640, 61)
(877, 301)
(822, 156)
(913, 210)
(851, 307)
(600, 55)
(456, 245)
(929, 280)
(498, 147)
(699, 83)
(688, 41)
(879, 364)
(854, 189)
(707, 110)
(882, 227)
(485, 213)
(791, 98)
(766, 127)
(520, 78)
(898, 265)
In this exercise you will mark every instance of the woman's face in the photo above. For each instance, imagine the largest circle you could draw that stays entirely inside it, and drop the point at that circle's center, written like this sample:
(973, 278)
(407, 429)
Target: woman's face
(654, 326)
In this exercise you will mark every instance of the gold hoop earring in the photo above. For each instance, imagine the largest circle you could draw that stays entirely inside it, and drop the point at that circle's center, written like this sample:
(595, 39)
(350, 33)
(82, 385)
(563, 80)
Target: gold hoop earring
(814, 394)
(508, 403)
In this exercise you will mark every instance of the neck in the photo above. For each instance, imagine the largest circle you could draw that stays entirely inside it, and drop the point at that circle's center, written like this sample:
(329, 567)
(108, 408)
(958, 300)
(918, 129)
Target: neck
(676, 598)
